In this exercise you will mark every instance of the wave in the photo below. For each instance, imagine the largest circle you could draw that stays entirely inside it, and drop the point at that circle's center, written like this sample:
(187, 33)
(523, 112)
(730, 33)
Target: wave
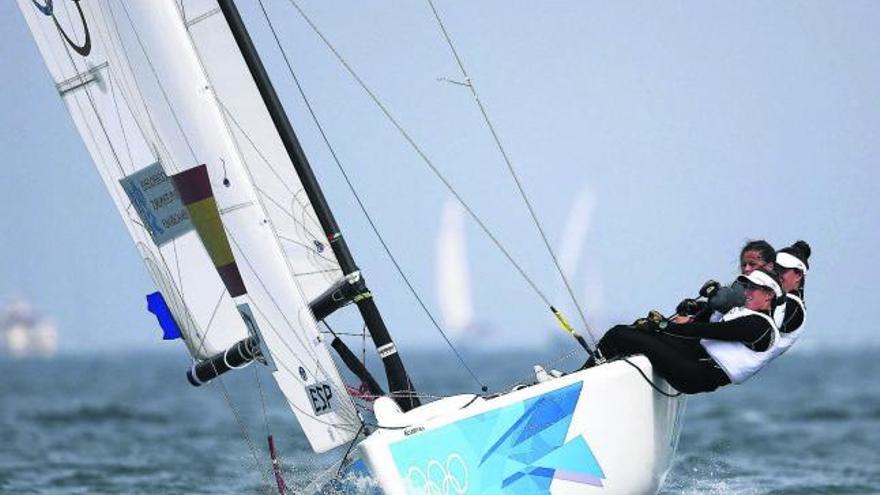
(90, 414)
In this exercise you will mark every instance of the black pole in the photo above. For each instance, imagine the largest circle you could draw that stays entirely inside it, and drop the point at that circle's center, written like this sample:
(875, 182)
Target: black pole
(237, 356)
(356, 366)
(398, 381)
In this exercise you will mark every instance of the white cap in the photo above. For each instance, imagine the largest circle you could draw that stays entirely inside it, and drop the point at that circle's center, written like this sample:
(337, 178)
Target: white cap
(787, 260)
(762, 279)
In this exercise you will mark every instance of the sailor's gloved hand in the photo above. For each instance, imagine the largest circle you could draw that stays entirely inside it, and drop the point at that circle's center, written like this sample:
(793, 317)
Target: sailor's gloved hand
(655, 316)
(651, 323)
(645, 325)
(709, 289)
(688, 307)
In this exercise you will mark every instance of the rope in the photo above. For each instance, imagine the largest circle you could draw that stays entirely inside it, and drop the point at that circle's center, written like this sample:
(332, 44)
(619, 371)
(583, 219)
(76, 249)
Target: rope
(350, 447)
(363, 208)
(469, 83)
(651, 383)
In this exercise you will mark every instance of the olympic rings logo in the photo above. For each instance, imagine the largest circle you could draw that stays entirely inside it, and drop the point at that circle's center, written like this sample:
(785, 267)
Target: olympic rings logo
(439, 479)
(48, 9)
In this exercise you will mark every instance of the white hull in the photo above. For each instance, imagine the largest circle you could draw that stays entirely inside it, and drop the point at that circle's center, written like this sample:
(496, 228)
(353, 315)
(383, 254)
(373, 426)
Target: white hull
(602, 430)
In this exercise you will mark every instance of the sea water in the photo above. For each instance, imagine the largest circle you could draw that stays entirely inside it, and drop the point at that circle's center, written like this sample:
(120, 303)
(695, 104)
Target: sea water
(130, 424)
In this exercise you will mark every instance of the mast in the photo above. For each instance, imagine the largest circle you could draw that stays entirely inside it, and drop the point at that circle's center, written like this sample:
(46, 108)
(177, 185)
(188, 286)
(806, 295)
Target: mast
(398, 381)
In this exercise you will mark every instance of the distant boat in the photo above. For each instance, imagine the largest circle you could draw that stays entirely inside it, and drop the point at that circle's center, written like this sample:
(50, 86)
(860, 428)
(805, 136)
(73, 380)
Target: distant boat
(572, 247)
(25, 333)
(453, 271)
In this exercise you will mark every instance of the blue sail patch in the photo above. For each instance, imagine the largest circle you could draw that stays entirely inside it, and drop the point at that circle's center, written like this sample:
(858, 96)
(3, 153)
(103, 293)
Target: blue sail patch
(156, 304)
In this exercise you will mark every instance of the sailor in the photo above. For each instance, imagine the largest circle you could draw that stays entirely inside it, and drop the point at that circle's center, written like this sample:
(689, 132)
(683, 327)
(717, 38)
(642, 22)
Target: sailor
(702, 356)
(792, 264)
(755, 255)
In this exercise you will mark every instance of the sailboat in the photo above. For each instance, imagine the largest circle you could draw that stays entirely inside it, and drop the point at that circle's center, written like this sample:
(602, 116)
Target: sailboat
(25, 333)
(453, 272)
(192, 142)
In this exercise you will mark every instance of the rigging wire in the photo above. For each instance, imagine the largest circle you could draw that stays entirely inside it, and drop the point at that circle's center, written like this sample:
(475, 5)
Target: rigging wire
(424, 157)
(470, 84)
(363, 208)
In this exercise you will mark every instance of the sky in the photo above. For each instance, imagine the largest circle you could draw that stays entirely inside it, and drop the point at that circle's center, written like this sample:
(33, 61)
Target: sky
(690, 126)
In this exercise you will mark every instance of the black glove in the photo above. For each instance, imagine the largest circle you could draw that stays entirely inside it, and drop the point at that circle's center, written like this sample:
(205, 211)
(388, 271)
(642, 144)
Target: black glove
(688, 307)
(709, 289)
(646, 325)
(655, 316)
(651, 323)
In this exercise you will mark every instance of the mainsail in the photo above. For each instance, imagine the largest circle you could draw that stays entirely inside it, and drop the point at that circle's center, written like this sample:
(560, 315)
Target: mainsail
(142, 94)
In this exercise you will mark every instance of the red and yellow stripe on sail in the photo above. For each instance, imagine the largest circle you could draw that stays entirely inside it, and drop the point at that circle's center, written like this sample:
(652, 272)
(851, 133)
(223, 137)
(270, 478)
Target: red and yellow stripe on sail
(194, 188)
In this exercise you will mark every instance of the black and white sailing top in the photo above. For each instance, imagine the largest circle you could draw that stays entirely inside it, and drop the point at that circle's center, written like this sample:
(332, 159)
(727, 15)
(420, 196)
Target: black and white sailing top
(792, 322)
(741, 343)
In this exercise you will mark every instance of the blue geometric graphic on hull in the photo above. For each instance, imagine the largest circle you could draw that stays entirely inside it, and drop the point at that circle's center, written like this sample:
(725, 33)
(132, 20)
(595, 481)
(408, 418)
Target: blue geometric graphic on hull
(518, 449)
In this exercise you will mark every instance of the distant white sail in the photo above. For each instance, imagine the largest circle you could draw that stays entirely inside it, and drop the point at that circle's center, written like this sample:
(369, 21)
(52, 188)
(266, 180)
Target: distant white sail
(136, 88)
(574, 234)
(571, 249)
(453, 273)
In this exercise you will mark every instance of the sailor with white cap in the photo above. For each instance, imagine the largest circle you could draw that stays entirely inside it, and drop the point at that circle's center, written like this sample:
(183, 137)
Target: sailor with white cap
(792, 264)
(702, 356)
(748, 348)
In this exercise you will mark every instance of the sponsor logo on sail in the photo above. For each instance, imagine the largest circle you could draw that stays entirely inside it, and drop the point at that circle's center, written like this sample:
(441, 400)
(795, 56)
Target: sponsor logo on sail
(48, 9)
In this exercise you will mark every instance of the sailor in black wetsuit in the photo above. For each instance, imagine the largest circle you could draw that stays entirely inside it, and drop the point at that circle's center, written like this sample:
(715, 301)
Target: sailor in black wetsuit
(702, 356)
(792, 264)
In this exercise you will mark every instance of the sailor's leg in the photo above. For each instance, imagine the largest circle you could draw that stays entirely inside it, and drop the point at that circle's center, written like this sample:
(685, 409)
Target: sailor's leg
(682, 363)
(614, 343)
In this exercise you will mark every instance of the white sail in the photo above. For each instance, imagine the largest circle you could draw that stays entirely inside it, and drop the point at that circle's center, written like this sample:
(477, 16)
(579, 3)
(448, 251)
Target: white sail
(102, 97)
(574, 234)
(311, 258)
(453, 273)
(170, 113)
(571, 248)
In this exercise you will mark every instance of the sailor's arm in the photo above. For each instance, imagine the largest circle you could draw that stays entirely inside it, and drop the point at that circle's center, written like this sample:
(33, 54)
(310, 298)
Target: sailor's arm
(749, 329)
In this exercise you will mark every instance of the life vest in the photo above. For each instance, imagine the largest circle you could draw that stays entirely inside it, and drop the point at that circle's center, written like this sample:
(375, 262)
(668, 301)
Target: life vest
(790, 336)
(737, 360)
